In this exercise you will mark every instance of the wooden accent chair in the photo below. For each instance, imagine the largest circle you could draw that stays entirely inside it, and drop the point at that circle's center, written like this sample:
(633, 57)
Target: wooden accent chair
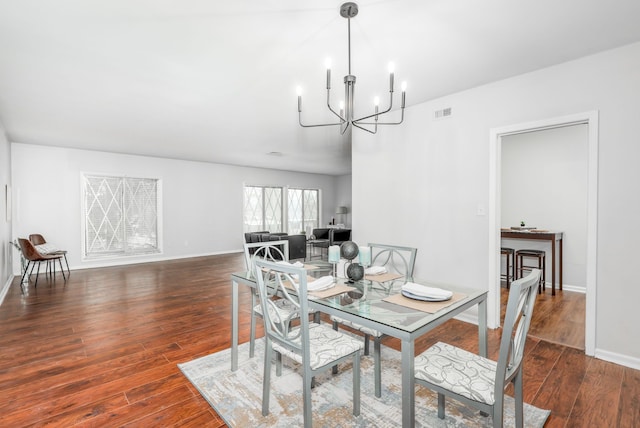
(37, 239)
(31, 254)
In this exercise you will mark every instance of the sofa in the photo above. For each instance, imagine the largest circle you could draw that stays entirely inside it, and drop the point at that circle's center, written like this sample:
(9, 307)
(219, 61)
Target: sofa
(297, 243)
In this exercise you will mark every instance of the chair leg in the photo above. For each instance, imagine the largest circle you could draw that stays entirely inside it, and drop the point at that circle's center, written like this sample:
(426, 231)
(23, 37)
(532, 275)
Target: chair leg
(67, 262)
(306, 396)
(498, 409)
(252, 331)
(377, 369)
(37, 274)
(61, 268)
(517, 383)
(356, 384)
(266, 377)
(278, 364)
(334, 369)
(366, 344)
(440, 405)
(26, 269)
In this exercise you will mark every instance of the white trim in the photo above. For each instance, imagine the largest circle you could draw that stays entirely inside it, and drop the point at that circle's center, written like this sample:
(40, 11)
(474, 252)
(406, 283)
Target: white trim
(495, 141)
(134, 261)
(5, 289)
(623, 360)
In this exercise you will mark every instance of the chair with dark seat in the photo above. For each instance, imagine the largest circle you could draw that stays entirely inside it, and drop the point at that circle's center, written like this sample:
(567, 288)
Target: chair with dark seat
(520, 260)
(316, 347)
(338, 236)
(45, 248)
(31, 254)
(510, 265)
(320, 238)
(478, 381)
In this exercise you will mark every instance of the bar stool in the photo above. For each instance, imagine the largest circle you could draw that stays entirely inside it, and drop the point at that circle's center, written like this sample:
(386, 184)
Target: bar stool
(539, 255)
(510, 271)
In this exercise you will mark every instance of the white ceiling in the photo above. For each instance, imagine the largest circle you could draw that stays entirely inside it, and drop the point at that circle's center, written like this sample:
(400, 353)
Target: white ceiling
(215, 81)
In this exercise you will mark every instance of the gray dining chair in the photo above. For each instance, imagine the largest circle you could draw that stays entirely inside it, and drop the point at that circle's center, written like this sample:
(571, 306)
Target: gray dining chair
(316, 347)
(478, 381)
(273, 251)
(396, 259)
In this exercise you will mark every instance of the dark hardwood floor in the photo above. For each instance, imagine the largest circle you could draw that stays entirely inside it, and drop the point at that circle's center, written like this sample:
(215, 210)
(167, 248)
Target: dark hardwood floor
(101, 350)
(558, 319)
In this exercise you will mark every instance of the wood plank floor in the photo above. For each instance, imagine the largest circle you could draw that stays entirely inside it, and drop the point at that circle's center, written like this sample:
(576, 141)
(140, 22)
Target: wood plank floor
(101, 350)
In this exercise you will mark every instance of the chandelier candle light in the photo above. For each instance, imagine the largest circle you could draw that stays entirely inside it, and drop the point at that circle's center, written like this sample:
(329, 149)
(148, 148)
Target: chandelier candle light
(346, 115)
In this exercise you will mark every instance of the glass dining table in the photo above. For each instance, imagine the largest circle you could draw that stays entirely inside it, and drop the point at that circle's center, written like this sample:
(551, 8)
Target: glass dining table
(380, 306)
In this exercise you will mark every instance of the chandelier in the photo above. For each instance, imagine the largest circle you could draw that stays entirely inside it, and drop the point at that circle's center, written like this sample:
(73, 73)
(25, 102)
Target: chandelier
(346, 115)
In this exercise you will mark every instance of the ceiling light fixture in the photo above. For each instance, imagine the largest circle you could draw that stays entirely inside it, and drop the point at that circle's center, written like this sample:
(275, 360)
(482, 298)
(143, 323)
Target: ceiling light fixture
(346, 116)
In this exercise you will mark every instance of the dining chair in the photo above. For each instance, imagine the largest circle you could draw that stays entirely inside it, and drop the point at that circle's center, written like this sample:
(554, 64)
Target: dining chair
(478, 381)
(45, 248)
(31, 254)
(272, 251)
(316, 347)
(396, 259)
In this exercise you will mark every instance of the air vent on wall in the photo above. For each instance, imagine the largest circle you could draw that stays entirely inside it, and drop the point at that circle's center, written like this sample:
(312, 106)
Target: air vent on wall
(441, 114)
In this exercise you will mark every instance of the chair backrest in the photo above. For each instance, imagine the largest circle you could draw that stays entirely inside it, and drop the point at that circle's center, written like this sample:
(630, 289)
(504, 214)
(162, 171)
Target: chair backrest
(273, 278)
(338, 236)
(272, 251)
(321, 233)
(522, 298)
(37, 239)
(401, 260)
(29, 252)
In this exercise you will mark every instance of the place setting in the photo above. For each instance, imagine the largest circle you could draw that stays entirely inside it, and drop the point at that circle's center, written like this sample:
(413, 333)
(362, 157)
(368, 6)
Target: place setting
(424, 298)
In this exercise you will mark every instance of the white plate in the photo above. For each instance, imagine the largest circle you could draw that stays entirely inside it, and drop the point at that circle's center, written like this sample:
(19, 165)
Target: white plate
(424, 298)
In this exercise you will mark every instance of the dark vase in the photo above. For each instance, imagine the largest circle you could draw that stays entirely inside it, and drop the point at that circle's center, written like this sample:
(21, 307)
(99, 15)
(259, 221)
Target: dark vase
(349, 250)
(355, 272)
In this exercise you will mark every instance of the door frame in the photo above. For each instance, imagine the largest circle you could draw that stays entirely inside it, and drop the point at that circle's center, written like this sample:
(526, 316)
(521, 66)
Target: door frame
(590, 118)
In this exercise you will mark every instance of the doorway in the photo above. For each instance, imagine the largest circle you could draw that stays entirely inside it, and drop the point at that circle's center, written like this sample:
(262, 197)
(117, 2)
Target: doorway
(497, 136)
(544, 185)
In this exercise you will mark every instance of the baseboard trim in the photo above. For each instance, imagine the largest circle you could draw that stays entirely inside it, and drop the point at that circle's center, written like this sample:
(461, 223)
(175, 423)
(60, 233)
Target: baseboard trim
(569, 287)
(5, 289)
(151, 259)
(613, 357)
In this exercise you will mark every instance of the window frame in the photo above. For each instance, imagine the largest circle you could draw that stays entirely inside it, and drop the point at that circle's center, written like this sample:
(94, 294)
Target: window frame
(304, 190)
(123, 254)
(284, 206)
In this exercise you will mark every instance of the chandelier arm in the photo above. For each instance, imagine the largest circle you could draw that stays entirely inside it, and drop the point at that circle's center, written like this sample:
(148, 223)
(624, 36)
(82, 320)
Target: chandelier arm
(315, 125)
(365, 129)
(378, 113)
(380, 123)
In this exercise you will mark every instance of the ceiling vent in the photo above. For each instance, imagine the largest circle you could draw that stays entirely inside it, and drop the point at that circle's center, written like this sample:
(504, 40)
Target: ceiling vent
(441, 114)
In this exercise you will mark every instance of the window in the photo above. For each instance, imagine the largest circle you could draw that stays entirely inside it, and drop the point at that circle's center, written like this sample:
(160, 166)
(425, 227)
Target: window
(303, 209)
(120, 216)
(262, 209)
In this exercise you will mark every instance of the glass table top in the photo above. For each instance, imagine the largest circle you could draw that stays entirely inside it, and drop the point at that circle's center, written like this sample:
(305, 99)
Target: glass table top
(366, 300)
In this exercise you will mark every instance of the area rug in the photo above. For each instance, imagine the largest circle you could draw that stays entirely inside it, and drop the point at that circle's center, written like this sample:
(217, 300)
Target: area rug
(237, 396)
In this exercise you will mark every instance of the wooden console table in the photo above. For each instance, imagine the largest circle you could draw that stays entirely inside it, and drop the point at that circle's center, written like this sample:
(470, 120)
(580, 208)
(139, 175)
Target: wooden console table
(553, 237)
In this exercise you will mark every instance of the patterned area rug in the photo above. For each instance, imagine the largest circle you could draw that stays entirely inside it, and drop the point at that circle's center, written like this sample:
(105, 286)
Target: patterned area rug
(237, 396)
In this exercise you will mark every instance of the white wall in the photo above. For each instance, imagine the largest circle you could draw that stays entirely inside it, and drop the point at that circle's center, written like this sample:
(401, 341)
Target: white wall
(431, 176)
(544, 184)
(6, 251)
(343, 199)
(202, 202)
